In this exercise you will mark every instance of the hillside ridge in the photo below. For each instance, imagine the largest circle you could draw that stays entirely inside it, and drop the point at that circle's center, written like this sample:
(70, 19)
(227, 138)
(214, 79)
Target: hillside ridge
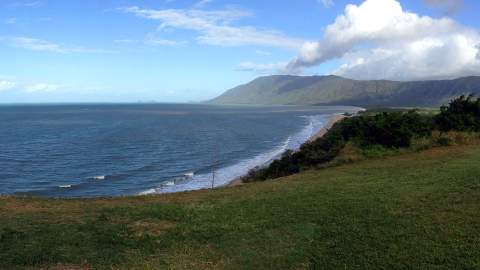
(336, 90)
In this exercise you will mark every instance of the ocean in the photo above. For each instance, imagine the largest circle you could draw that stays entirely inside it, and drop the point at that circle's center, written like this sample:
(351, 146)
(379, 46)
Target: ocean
(92, 150)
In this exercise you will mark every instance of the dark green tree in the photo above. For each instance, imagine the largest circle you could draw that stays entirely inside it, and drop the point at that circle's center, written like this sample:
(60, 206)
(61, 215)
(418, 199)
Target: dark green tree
(461, 114)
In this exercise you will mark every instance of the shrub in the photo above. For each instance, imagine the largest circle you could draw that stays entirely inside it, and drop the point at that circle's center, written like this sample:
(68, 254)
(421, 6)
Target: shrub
(444, 141)
(462, 114)
(374, 151)
(380, 134)
(373, 133)
(310, 154)
(394, 129)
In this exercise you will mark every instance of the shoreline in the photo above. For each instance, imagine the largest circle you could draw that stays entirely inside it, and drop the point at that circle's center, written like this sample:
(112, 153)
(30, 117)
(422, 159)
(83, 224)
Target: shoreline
(331, 121)
(334, 119)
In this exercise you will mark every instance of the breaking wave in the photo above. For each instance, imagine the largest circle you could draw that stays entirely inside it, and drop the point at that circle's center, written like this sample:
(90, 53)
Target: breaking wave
(223, 176)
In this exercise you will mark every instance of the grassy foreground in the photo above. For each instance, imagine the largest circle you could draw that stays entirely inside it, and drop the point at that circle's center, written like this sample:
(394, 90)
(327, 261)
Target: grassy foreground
(410, 211)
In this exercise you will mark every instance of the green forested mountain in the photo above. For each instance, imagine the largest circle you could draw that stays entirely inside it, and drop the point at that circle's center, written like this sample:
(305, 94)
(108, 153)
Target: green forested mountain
(334, 90)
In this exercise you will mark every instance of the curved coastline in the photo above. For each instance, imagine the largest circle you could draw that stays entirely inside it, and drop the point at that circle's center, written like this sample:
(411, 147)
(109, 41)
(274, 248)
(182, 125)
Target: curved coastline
(315, 126)
(203, 181)
(320, 133)
(228, 174)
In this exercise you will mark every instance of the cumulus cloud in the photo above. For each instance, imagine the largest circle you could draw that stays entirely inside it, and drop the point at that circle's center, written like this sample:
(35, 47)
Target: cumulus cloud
(379, 40)
(215, 27)
(423, 59)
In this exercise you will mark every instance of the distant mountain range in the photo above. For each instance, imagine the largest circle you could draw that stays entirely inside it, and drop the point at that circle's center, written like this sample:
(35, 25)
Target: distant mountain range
(335, 90)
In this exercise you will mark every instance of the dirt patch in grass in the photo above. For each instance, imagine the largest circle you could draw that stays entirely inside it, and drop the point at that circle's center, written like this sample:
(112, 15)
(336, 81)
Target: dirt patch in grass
(67, 267)
(18, 206)
(151, 227)
(438, 152)
(200, 258)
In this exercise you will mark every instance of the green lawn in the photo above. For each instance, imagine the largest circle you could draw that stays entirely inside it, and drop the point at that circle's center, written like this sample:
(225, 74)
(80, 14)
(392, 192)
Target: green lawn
(410, 211)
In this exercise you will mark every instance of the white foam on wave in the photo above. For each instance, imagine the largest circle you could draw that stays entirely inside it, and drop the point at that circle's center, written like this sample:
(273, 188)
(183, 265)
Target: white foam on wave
(100, 177)
(169, 183)
(148, 192)
(189, 175)
(224, 176)
(65, 186)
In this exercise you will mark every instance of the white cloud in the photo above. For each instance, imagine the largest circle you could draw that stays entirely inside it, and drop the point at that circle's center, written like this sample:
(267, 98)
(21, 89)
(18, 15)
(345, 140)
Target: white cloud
(202, 3)
(41, 87)
(262, 68)
(215, 27)
(35, 44)
(155, 41)
(423, 59)
(261, 52)
(40, 45)
(125, 41)
(326, 3)
(28, 87)
(11, 21)
(6, 85)
(27, 4)
(89, 50)
(379, 40)
(151, 40)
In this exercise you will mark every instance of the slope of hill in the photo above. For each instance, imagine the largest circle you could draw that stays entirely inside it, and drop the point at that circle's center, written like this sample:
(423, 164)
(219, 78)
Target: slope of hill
(411, 211)
(334, 90)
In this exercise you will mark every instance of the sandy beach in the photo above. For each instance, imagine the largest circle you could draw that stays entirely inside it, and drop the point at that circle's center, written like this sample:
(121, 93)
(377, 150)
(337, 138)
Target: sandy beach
(334, 119)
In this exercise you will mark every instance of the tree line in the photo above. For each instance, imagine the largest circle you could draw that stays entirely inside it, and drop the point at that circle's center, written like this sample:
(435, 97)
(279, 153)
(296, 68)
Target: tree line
(392, 130)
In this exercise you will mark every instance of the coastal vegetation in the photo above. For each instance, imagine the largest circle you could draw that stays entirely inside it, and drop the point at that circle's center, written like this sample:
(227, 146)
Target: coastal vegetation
(379, 132)
(462, 114)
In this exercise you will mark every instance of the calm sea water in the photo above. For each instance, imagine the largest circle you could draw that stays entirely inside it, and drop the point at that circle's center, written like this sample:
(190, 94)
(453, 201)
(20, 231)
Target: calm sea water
(112, 150)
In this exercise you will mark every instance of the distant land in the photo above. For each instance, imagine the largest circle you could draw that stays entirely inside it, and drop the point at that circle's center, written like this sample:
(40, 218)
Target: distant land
(335, 90)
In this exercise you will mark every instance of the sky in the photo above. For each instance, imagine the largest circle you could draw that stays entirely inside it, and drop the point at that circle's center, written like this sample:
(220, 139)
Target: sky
(193, 50)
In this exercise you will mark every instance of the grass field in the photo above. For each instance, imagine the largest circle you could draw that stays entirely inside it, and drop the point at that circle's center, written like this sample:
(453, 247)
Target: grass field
(408, 211)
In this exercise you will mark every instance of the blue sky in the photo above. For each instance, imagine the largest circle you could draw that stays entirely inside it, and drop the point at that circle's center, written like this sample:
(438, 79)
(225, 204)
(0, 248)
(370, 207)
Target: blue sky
(180, 51)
